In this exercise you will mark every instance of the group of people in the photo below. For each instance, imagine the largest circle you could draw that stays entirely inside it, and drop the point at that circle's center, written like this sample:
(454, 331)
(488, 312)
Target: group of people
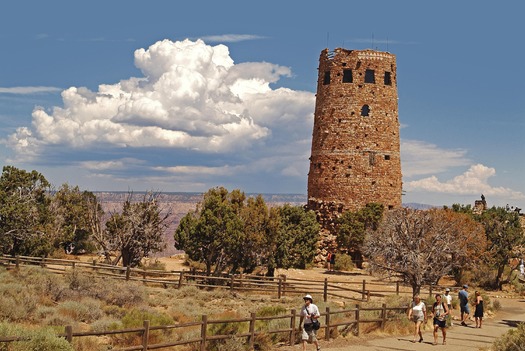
(442, 311)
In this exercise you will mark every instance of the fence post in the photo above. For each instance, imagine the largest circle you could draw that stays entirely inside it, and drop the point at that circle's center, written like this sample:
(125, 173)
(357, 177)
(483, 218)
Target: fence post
(232, 282)
(181, 277)
(292, 327)
(357, 320)
(128, 272)
(95, 265)
(42, 262)
(145, 335)
(204, 328)
(252, 330)
(144, 276)
(397, 288)
(17, 262)
(284, 284)
(383, 317)
(279, 288)
(363, 294)
(327, 328)
(325, 290)
(69, 333)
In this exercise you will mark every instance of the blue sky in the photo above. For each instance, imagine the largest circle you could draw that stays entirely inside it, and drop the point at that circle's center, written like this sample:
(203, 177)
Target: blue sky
(188, 95)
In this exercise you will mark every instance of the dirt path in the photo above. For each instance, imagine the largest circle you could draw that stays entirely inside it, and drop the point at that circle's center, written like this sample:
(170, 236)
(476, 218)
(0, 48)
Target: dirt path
(458, 338)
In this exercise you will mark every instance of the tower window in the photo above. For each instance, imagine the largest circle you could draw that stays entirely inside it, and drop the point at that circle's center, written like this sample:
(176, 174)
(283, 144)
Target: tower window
(387, 157)
(388, 78)
(365, 110)
(326, 78)
(370, 76)
(347, 76)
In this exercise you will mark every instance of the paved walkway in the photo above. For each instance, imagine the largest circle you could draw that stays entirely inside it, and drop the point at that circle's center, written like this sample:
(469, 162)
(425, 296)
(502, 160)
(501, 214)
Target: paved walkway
(458, 337)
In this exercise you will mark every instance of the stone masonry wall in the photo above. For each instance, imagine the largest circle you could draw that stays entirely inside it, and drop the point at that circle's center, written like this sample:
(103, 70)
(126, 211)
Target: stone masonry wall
(355, 156)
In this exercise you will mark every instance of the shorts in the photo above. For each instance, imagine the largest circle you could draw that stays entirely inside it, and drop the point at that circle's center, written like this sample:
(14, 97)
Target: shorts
(309, 336)
(465, 309)
(416, 318)
(439, 323)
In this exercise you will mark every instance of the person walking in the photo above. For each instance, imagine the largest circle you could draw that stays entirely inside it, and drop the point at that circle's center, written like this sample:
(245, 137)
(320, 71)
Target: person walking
(463, 304)
(418, 314)
(309, 315)
(332, 261)
(440, 311)
(328, 260)
(478, 312)
(448, 300)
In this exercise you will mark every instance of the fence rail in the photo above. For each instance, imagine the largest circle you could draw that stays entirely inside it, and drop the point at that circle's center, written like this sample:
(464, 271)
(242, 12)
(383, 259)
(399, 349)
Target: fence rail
(279, 286)
(384, 314)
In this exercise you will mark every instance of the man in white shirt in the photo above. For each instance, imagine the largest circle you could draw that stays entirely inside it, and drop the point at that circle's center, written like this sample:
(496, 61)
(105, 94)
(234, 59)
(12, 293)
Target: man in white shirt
(309, 314)
(448, 301)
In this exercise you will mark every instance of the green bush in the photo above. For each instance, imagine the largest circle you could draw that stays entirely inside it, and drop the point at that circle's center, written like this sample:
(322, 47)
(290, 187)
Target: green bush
(105, 324)
(513, 340)
(136, 317)
(87, 310)
(271, 310)
(43, 339)
(153, 265)
(343, 262)
(16, 301)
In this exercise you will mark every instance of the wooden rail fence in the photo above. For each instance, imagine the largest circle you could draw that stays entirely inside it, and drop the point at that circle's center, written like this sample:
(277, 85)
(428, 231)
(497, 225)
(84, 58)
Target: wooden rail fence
(280, 286)
(349, 318)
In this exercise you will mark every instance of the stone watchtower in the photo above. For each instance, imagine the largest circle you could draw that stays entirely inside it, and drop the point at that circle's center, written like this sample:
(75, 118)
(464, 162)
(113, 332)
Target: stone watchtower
(355, 156)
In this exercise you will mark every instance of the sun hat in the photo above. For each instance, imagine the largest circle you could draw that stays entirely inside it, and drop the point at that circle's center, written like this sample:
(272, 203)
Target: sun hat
(309, 297)
(447, 289)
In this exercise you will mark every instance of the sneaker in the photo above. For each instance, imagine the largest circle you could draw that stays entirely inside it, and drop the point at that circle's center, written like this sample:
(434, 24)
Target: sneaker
(464, 324)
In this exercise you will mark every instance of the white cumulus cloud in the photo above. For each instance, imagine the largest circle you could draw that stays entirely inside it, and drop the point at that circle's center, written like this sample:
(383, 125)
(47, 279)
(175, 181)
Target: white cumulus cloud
(191, 96)
(473, 181)
(421, 158)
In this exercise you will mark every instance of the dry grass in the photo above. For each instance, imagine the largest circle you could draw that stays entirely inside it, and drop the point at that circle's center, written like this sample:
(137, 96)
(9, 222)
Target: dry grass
(89, 302)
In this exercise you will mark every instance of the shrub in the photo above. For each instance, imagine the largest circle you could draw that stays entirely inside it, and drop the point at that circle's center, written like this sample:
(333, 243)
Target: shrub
(271, 310)
(16, 301)
(115, 311)
(233, 344)
(153, 265)
(89, 343)
(86, 310)
(105, 324)
(136, 317)
(513, 340)
(120, 293)
(43, 339)
(343, 263)
(50, 285)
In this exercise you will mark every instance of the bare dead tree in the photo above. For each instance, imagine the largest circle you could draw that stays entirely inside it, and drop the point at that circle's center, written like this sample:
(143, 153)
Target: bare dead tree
(422, 246)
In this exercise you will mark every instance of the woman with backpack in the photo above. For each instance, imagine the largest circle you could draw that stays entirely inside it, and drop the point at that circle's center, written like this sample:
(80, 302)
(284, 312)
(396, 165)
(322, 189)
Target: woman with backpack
(440, 312)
